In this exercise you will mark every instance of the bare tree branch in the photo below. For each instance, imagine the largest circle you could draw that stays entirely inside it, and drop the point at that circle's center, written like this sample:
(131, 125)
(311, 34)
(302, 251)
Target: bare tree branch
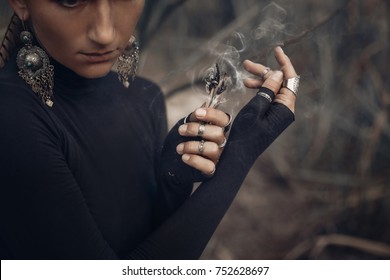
(317, 26)
(149, 29)
(241, 21)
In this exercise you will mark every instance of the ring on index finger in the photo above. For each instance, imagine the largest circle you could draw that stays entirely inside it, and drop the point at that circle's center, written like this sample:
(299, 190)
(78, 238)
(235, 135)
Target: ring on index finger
(265, 72)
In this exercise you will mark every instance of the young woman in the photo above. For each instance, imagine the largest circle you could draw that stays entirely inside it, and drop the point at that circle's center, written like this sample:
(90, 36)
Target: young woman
(86, 168)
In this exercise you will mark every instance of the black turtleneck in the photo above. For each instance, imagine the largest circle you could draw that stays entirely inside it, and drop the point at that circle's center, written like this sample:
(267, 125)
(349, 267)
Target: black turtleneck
(86, 179)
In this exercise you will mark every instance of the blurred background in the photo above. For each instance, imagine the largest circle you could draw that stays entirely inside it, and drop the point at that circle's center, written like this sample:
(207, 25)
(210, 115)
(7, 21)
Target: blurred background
(322, 190)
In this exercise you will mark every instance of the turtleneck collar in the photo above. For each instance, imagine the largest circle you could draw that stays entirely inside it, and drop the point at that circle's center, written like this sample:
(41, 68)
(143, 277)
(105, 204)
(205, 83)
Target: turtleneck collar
(66, 78)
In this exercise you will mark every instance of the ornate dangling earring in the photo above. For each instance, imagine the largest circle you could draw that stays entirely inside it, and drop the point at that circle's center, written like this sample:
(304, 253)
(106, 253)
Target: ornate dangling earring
(128, 62)
(34, 67)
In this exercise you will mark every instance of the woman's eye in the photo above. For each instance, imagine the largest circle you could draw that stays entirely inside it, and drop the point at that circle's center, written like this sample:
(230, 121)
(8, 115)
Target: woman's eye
(71, 3)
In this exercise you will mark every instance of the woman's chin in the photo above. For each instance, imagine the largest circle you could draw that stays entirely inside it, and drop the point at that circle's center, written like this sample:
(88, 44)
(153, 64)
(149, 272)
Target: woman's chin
(94, 71)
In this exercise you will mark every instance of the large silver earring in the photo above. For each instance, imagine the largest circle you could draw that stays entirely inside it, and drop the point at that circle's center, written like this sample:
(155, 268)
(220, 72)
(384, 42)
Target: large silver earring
(35, 69)
(128, 62)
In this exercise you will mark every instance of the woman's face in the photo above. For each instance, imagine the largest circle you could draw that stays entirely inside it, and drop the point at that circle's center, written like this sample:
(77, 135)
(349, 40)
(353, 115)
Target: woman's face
(87, 36)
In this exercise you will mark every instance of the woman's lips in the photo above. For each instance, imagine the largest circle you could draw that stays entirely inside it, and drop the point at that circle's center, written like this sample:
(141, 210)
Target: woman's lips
(99, 57)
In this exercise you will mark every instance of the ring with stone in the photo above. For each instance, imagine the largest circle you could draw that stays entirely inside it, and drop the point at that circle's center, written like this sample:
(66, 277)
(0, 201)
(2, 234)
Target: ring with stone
(201, 147)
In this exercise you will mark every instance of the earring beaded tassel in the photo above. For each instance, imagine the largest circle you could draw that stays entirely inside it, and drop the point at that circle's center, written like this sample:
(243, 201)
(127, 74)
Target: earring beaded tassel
(128, 62)
(35, 69)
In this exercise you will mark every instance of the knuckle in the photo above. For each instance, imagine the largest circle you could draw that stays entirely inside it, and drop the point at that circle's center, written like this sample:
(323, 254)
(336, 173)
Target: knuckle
(219, 133)
(192, 160)
(213, 148)
(189, 146)
(287, 94)
(192, 128)
(221, 138)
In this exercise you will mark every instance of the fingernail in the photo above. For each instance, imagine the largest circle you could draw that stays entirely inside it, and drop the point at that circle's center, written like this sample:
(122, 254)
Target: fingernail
(180, 148)
(200, 112)
(185, 157)
(280, 48)
(183, 129)
(247, 63)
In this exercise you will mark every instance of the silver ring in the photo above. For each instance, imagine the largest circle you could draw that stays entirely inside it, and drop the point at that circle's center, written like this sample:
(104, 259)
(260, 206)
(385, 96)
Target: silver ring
(292, 84)
(223, 144)
(201, 147)
(265, 72)
(201, 129)
(226, 128)
(266, 96)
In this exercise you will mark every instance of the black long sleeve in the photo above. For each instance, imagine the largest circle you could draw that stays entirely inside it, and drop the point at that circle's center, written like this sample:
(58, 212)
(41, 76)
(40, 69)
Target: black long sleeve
(256, 126)
(81, 180)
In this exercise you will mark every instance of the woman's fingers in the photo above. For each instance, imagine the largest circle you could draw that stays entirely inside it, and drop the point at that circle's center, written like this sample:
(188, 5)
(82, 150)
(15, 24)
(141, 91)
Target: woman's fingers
(285, 96)
(208, 132)
(253, 83)
(274, 81)
(258, 70)
(209, 125)
(204, 165)
(285, 63)
(211, 115)
(207, 149)
(201, 155)
(268, 78)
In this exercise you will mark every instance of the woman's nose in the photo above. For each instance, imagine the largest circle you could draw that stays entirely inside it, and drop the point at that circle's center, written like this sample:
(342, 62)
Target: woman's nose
(102, 29)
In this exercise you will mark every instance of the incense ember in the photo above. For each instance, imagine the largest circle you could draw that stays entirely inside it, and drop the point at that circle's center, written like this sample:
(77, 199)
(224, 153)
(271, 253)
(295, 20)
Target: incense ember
(215, 86)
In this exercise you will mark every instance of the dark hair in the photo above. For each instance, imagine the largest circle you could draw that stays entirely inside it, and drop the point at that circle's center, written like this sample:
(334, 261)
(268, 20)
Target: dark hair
(10, 40)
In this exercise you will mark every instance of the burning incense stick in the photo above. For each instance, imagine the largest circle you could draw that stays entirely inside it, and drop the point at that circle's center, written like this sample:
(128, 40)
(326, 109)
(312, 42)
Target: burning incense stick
(215, 86)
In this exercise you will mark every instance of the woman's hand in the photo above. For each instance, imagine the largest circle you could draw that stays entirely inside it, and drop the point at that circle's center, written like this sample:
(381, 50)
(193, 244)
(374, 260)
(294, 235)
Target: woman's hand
(200, 141)
(266, 116)
(208, 126)
(272, 79)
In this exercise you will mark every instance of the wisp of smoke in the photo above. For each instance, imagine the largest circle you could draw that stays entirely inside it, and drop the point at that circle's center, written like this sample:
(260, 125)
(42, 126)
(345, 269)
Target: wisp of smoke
(271, 29)
(264, 36)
